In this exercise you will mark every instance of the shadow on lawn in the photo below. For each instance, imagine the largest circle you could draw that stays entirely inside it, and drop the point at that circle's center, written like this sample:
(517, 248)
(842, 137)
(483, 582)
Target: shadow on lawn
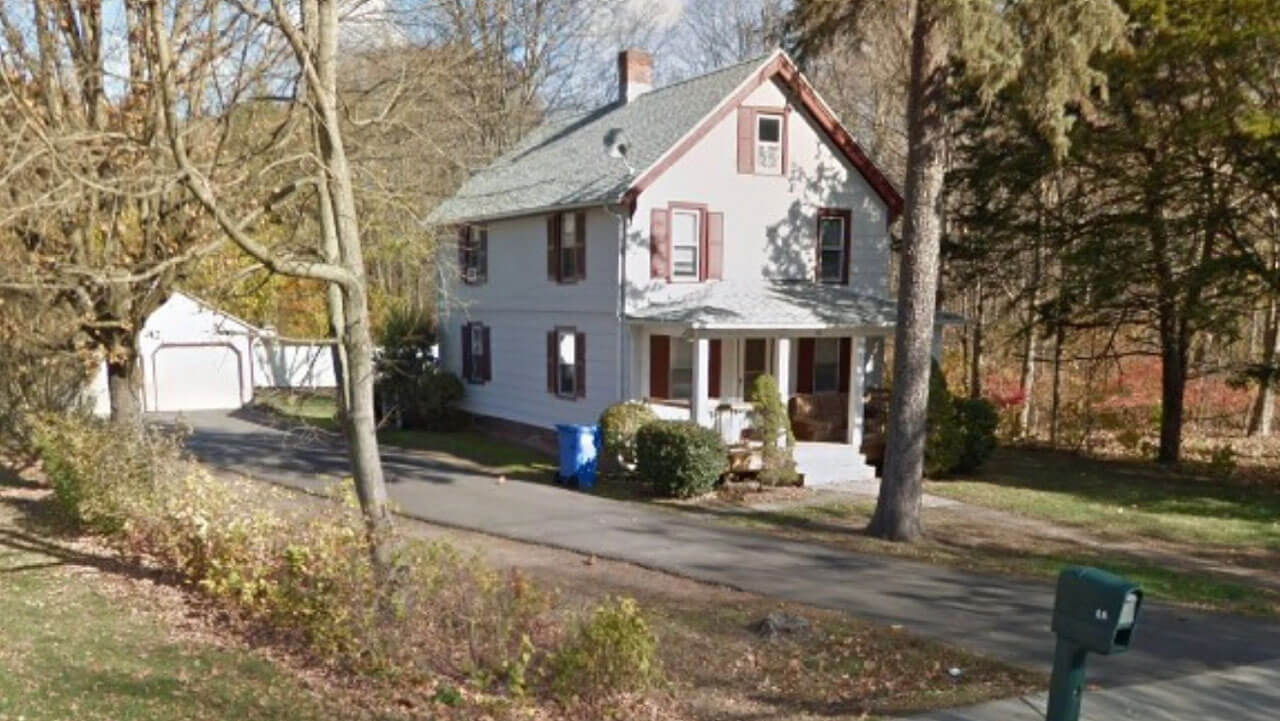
(37, 530)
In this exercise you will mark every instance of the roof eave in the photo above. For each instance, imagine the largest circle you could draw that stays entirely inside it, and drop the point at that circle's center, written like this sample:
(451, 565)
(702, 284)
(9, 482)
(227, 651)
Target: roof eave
(521, 213)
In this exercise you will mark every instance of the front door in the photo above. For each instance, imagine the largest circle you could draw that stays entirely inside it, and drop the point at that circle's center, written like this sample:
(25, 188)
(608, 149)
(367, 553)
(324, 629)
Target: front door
(755, 362)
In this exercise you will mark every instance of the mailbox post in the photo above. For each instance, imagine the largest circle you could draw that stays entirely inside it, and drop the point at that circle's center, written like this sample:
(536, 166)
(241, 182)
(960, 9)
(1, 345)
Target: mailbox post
(1093, 611)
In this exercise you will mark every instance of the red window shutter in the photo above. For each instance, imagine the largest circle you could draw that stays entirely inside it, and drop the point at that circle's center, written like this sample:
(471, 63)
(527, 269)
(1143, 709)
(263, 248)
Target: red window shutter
(713, 374)
(804, 366)
(659, 243)
(715, 246)
(482, 249)
(551, 362)
(746, 140)
(486, 369)
(553, 248)
(468, 359)
(846, 350)
(580, 229)
(660, 366)
(580, 363)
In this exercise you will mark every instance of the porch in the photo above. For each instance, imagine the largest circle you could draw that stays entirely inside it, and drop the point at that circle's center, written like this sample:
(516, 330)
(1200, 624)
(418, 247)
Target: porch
(697, 357)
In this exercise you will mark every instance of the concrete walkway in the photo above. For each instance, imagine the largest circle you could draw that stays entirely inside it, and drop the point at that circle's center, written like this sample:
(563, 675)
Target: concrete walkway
(1000, 617)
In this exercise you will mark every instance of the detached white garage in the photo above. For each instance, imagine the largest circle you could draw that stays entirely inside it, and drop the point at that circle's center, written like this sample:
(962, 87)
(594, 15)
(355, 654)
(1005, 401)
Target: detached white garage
(196, 357)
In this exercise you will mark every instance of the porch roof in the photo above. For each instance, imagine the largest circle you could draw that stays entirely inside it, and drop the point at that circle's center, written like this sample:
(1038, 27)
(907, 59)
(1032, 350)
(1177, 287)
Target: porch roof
(772, 305)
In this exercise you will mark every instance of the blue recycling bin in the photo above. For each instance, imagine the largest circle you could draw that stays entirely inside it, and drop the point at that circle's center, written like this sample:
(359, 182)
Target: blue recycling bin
(579, 449)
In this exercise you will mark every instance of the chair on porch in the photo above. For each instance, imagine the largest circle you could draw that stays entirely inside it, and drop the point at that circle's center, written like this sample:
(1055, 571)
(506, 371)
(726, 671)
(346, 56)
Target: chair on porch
(819, 417)
(822, 417)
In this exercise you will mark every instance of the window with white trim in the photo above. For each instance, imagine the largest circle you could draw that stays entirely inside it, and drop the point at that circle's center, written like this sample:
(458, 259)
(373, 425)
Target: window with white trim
(473, 248)
(826, 365)
(769, 143)
(566, 360)
(686, 243)
(831, 248)
(569, 241)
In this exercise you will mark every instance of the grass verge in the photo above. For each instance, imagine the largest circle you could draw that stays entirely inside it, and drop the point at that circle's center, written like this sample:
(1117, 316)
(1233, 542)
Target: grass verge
(71, 651)
(85, 638)
(958, 539)
(1124, 500)
(496, 456)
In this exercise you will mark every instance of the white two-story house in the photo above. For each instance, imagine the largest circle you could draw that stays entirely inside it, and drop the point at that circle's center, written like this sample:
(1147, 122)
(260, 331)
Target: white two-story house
(671, 247)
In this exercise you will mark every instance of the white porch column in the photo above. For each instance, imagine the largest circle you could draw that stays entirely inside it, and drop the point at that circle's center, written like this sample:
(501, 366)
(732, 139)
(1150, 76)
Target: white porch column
(642, 365)
(856, 384)
(700, 402)
(782, 367)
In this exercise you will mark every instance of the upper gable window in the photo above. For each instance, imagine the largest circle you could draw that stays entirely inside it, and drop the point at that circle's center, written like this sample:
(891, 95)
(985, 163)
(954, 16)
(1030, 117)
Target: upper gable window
(769, 143)
(833, 245)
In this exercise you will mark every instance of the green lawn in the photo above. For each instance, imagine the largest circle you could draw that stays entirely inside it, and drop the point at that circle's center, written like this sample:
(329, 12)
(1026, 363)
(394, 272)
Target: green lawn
(69, 652)
(1118, 499)
(509, 459)
(974, 544)
(499, 457)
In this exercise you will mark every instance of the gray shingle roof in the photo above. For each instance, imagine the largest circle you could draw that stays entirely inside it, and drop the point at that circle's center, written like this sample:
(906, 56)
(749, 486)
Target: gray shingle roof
(564, 163)
(764, 304)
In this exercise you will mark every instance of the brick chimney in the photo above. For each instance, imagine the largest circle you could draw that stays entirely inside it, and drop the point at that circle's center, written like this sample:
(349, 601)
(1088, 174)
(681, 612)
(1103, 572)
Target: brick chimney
(635, 74)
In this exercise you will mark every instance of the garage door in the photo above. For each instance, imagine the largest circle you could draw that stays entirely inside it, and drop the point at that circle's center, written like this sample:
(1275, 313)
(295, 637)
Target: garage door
(193, 378)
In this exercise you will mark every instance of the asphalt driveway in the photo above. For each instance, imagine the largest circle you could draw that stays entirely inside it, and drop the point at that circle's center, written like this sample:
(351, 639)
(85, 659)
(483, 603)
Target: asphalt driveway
(1000, 617)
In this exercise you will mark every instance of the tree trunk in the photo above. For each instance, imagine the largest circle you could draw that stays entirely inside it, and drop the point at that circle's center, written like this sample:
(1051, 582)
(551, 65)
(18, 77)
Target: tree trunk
(1264, 404)
(356, 339)
(897, 514)
(1055, 408)
(975, 360)
(1173, 388)
(124, 389)
(1027, 383)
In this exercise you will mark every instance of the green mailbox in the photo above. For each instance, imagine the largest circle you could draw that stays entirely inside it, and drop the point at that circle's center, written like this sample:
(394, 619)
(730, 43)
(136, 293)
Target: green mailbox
(1094, 612)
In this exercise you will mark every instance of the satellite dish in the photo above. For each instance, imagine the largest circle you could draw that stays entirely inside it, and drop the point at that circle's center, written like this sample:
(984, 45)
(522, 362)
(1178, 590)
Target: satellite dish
(617, 145)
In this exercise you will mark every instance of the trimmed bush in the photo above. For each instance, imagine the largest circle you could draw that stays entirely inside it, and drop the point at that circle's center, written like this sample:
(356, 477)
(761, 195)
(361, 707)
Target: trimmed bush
(611, 651)
(618, 425)
(978, 420)
(680, 459)
(771, 420)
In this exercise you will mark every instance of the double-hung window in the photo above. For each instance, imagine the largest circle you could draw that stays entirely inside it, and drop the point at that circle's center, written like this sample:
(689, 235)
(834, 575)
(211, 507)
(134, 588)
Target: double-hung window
(686, 244)
(473, 253)
(681, 369)
(569, 241)
(567, 247)
(566, 351)
(826, 365)
(833, 246)
(566, 363)
(769, 143)
(477, 363)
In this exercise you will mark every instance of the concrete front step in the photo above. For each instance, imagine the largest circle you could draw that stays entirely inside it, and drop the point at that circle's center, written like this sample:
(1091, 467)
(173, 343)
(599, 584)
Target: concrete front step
(824, 463)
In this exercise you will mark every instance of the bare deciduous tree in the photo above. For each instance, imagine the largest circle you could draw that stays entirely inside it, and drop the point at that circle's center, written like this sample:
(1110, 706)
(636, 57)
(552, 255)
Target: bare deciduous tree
(87, 201)
(309, 34)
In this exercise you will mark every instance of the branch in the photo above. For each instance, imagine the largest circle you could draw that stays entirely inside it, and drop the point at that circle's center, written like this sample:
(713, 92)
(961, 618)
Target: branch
(199, 185)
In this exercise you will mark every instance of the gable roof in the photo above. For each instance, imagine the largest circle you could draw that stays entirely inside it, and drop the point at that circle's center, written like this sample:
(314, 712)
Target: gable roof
(563, 163)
